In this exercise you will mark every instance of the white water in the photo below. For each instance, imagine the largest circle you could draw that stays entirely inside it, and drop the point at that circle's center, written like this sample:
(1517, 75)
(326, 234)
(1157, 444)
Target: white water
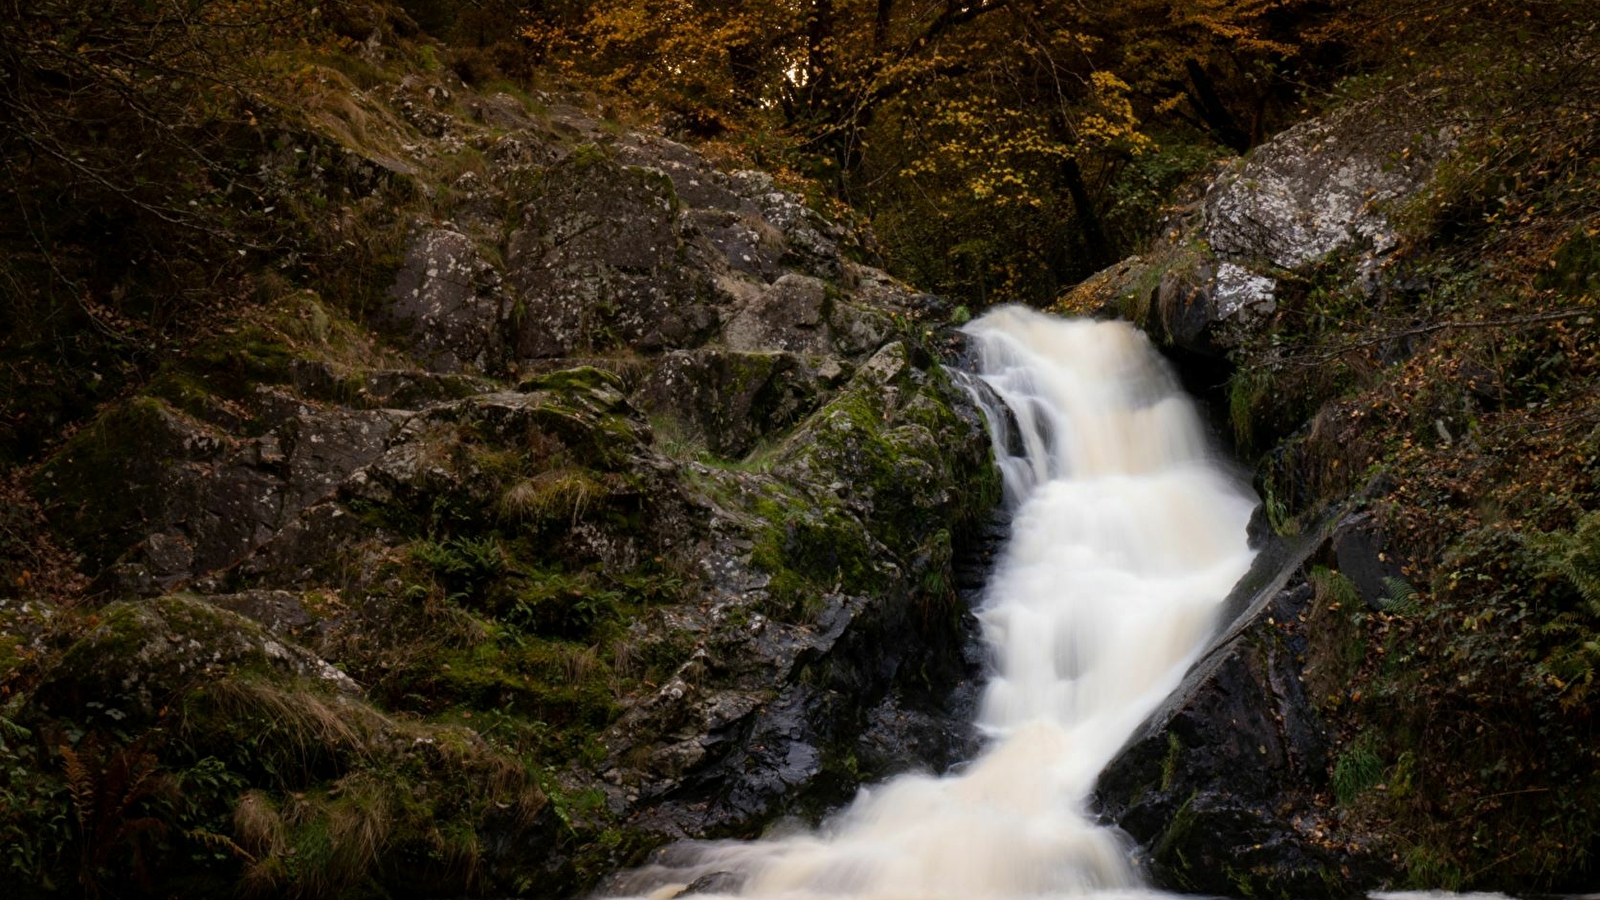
(1127, 536)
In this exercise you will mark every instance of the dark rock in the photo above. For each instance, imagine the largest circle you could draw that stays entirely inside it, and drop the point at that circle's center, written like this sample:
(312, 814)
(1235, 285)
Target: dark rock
(280, 612)
(450, 300)
(1206, 307)
(596, 264)
(1220, 785)
(325, 449)
(750, 244)
(731, 400)
(1361, 554)
(501, 111)
(399, 389)
(697, 184)
(306, 550)
(205, 499)
(898, 739)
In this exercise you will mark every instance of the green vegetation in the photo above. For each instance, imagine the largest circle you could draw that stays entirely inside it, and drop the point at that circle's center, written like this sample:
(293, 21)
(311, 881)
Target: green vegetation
(1356, 770)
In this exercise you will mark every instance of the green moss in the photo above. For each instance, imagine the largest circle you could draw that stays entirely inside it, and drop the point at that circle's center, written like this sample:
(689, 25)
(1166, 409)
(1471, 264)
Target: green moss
(811, 549)
(658, 182)
(578, 378)
(1169, 850)
(151, 644)
(586, 155)
(1169, 764)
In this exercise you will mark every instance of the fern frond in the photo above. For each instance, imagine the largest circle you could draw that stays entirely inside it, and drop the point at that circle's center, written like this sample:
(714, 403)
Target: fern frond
(1400, 597)
(80, 786)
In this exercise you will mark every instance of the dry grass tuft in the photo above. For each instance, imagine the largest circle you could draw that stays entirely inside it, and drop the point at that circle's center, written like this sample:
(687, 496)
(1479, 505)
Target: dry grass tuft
(259, 829)
(561, 494)
(296, 728)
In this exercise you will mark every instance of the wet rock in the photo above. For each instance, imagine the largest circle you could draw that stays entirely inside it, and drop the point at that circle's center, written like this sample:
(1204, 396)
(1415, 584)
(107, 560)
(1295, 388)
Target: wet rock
(1221, 785)
(715, 883)
(793, 713)
(898, 739)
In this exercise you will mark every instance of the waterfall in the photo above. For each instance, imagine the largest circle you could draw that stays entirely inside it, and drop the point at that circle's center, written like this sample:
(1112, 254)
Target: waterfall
(1126, 536)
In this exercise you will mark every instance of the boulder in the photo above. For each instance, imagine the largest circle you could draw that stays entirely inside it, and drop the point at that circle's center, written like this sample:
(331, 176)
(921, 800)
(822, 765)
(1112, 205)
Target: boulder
(1325, 185)
(178, 498)
(450, 301)
(1324, 188)
(731, 400)
(596, 264)
(1225, 786)
(789, 315)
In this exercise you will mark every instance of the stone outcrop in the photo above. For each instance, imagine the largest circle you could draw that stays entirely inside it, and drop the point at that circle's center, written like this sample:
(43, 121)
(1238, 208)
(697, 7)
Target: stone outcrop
(1220, 786)
(1325, 188)
(638, 468)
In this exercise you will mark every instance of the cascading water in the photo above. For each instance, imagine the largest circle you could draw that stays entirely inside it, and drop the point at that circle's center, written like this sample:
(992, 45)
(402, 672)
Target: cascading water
(1126, 537)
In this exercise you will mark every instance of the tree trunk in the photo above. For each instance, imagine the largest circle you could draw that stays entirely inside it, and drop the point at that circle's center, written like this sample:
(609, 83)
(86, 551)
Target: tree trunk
(1094, 233)
(1212, 111)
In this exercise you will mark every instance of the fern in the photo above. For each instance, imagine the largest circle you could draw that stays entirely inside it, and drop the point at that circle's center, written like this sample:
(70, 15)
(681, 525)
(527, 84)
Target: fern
(105, 789)
(80, 786)
(1399, 597)
(13, 731)
(1574, 557)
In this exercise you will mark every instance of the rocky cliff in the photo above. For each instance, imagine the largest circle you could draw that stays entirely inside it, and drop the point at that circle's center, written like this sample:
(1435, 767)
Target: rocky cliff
(623, 509)
(1402, 697)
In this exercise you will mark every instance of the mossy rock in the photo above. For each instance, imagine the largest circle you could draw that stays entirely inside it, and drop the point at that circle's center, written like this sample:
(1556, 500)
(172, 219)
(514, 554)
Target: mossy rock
(730, 401)
(893, 436)
(139, 657)
(125, 454)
